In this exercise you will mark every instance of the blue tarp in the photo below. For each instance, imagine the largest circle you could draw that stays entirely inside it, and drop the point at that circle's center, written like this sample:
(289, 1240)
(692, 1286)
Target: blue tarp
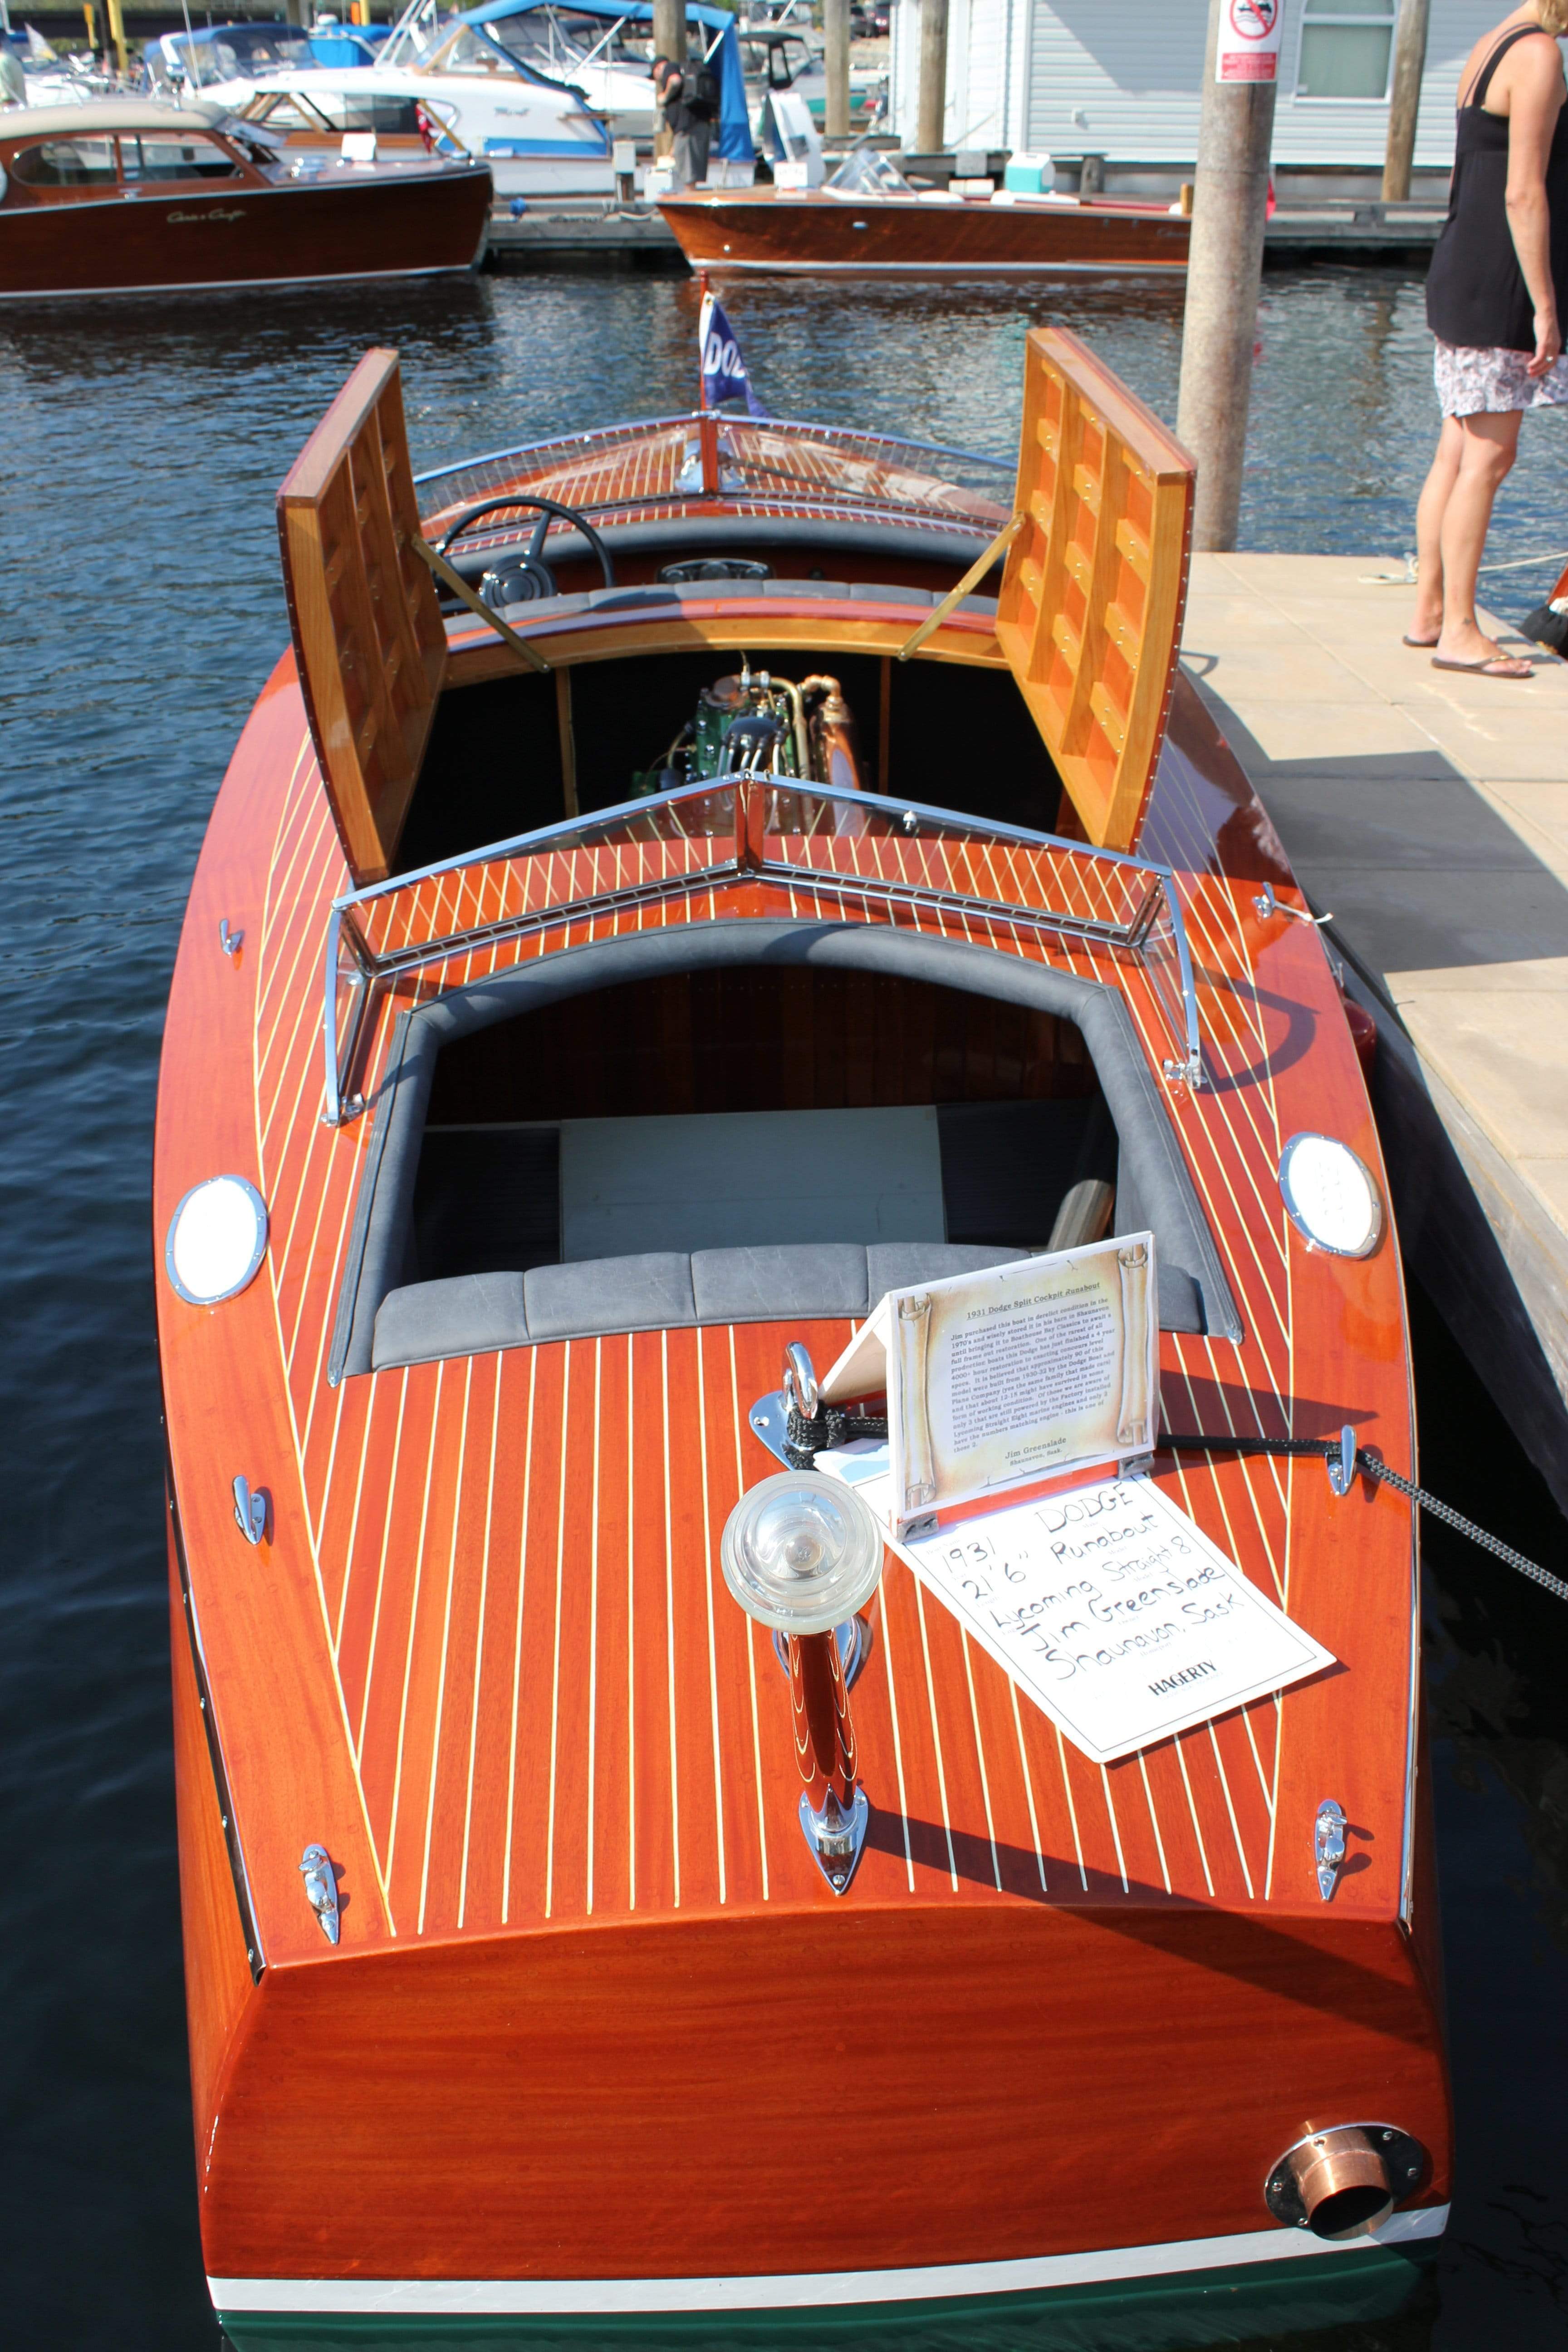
(732, 131)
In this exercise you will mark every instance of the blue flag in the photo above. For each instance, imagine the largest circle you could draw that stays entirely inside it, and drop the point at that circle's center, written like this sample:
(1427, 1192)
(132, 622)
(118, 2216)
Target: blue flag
(724, 375)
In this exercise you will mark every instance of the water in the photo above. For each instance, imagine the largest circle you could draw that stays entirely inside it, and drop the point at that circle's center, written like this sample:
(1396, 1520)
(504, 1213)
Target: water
(140, 447)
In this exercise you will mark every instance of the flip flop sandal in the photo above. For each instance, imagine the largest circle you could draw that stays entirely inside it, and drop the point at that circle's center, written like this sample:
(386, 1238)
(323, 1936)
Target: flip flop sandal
(1494, 666)
(1422, 644)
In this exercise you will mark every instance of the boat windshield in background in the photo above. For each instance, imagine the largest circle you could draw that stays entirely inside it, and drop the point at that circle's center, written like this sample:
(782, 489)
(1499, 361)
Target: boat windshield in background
(565, 43)
(868, 172)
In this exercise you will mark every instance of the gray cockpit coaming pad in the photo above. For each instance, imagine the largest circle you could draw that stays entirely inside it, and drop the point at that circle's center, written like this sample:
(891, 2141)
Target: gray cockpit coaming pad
(475, 1313)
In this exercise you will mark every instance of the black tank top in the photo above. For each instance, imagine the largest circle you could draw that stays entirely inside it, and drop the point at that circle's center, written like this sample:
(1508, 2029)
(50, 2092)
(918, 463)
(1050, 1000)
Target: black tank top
(1476, 293)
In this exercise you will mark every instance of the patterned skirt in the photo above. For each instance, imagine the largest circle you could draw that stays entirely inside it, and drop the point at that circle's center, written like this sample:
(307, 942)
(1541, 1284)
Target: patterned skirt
(1472, 381)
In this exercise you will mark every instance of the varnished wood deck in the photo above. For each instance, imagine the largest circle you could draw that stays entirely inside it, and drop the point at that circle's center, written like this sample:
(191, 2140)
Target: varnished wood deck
(549, 1705)
(488, 1659)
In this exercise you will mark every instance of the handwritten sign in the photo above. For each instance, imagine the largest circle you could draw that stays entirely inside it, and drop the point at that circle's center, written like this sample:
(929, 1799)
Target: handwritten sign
(1013, 1374)
(1113, 1612)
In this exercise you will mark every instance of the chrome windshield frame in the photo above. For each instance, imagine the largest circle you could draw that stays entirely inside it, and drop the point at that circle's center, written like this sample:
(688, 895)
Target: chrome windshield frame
(1005, 469)
(350, 960)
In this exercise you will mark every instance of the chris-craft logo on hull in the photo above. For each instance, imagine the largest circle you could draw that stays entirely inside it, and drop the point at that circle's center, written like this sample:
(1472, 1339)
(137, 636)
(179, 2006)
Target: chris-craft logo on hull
(213, 213)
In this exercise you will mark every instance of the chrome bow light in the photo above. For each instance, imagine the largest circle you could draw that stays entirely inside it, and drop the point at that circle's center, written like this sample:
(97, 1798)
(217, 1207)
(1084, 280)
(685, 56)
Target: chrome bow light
(800, 1554)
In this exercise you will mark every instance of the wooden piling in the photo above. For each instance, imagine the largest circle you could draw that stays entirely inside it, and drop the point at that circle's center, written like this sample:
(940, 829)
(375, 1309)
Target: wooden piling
(931, 126)
(1404, 103)
(836, 64)
(669, 30)
(1224, 269)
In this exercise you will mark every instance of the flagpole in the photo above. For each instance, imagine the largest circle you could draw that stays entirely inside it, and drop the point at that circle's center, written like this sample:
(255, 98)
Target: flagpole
(702, 339)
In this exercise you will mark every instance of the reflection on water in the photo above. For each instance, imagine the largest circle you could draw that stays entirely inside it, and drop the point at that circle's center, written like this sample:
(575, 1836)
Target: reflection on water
(140, 445)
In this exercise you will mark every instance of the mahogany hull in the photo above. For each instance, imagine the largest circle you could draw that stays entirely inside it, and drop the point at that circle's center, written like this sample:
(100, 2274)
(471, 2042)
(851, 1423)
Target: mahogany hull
(761, 230)
(386, 225)
(597, 2042)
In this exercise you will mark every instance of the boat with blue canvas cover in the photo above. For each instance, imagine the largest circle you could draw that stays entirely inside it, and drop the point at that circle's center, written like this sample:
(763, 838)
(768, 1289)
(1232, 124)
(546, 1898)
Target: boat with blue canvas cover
(603, 48)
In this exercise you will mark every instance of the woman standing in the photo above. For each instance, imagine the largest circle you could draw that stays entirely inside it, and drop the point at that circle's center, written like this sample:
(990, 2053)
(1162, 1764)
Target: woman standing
(1496, 300)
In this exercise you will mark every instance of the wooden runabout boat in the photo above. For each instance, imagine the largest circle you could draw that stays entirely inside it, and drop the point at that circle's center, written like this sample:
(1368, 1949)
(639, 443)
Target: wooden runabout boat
(922, 233)
(128, 196)
(605, 979)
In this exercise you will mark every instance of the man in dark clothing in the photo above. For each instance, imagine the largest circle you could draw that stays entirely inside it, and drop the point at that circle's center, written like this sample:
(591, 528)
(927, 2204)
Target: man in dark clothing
(690, 100)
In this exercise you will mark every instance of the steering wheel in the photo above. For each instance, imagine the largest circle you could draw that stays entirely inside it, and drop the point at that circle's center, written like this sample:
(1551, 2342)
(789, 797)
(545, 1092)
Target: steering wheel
(523, 579)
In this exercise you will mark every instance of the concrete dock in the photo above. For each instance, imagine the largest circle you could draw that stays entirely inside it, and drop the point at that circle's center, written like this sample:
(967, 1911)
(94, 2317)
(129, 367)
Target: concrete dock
(1427, 812)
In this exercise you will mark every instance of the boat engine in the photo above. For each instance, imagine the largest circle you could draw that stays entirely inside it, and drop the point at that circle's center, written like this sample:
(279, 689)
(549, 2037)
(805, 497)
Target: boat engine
(766, 726)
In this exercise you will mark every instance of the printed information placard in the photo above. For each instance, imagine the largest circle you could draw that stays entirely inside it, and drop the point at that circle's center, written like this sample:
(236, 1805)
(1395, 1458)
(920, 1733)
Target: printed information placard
(1006, 1377)
(1112, 1609)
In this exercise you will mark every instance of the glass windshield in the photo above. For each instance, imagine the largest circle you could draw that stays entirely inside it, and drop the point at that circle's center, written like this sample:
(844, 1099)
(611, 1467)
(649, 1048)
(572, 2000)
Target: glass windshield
(866, 171)
(557, 41)
(66, 163)
(471, 52)
(161, 157)
(242, 50)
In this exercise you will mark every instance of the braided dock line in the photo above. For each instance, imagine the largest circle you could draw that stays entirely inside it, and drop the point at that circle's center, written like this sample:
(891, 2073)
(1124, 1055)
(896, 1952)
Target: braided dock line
(805, 1439)
(1327, 1449)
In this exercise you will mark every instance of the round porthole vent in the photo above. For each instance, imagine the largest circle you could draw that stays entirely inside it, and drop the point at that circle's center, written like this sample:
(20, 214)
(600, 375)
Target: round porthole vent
(1333, 1196)
(217, 1238)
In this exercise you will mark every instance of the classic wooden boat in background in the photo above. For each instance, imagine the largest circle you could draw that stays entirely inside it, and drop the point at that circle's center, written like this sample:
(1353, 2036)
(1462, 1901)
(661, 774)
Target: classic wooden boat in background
(516, 1991)
(871, 232)
(126, 195)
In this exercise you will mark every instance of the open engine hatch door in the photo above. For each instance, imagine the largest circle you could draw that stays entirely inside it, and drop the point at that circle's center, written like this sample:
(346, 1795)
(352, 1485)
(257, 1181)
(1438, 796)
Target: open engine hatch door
(368, 634)
(1096, 580)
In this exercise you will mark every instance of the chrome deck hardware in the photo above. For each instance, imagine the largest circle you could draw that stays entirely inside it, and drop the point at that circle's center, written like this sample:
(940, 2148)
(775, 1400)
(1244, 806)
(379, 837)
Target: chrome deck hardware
(229, 941)
(800, 1381)
(854, 1640)
(250, 1510)
(803, 1554)
(1342, 1469)
(769, 1421)
(836, 1837)
(321, 1889)
(1268, 904)
(1329, 1845)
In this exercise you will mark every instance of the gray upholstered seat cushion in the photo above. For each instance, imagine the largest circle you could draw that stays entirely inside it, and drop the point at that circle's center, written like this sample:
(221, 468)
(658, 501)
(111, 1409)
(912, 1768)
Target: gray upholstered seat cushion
(610, 1294)
(754, 1285)
(894, 1265)
(472, 1313)
(466, 1315)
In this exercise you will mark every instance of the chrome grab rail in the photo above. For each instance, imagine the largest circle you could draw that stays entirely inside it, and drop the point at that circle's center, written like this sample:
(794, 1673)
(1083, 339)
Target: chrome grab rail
(1150, 928)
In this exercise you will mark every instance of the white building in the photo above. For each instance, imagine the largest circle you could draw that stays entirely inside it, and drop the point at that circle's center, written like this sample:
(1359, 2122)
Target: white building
(1122, 78)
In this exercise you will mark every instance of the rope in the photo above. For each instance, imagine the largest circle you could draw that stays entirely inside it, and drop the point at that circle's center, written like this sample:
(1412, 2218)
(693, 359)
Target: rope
(1369, 1465)
(1407, 578)
(805, 1439)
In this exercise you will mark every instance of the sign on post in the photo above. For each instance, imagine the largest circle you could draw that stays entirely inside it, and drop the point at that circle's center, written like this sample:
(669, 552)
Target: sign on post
(1248, 47)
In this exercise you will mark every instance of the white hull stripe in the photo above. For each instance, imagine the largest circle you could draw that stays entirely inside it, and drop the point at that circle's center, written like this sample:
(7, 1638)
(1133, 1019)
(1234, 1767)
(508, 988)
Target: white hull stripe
(726, 261)
(227, 285)
(808, 2290)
